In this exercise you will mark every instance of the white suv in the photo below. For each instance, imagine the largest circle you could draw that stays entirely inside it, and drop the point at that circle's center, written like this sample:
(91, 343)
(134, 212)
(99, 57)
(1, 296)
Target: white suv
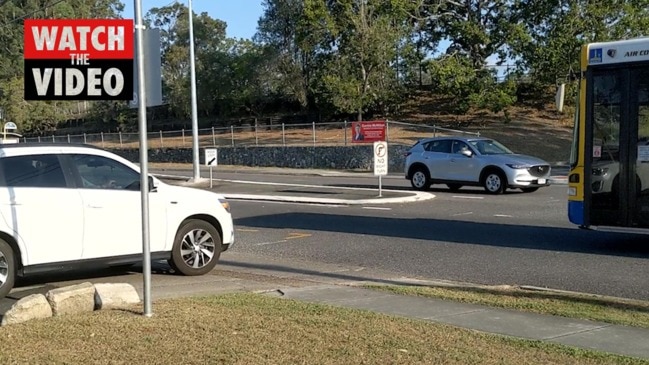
(74, 206)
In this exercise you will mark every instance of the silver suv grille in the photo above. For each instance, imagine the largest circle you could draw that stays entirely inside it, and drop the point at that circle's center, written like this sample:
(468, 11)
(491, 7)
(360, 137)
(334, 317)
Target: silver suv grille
(539, 170)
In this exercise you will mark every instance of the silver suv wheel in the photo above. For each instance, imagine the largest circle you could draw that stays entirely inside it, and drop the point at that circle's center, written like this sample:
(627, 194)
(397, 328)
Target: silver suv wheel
(419, 180)
(494, 183)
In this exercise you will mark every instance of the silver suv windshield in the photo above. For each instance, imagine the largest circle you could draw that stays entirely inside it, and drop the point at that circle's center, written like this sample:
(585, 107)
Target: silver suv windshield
(490, 147)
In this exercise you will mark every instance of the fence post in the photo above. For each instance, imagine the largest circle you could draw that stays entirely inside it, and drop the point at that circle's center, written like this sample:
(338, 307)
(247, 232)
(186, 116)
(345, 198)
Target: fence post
(68, 138)
(434, 131)
(213, 137)
(256, 138)
(53, 140)
(102, 139)
(120, 139)
(345, 127)
(183, 131)
(313, 134)
(283, 136)
(39, 137)
(162, 145)
(85, 141)
(232, 134)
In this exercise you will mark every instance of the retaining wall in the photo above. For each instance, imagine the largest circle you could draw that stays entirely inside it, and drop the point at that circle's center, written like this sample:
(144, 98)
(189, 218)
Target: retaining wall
(326, 157)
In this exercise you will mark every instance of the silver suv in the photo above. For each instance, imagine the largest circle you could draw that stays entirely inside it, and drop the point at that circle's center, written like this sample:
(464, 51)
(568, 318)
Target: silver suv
(460, 161)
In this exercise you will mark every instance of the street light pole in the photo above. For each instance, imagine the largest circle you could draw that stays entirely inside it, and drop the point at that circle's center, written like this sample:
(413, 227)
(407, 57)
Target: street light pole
(192, 63)
(144, 160)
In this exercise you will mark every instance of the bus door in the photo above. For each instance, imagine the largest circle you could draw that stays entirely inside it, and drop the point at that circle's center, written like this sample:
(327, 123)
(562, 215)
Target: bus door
(618, 148)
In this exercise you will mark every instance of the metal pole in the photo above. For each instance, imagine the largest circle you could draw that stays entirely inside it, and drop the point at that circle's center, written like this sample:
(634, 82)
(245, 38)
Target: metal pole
(68, 138)
(232, 134)
(161, 143)
(283, 136)
(144, 162)
(256, 138)
(210, 176)
(213, 138)
(380, 186)
(120, 139)
(345, 127)
(84, 139)
(387, 130)
(313, 134)
(192, 64)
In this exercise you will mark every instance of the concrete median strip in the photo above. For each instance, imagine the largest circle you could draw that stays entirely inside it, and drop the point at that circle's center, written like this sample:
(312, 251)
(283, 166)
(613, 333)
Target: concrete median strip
(410, 196)
(73, 299)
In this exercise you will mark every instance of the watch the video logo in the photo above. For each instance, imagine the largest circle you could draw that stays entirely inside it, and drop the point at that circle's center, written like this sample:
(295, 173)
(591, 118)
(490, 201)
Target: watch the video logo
(78, 59)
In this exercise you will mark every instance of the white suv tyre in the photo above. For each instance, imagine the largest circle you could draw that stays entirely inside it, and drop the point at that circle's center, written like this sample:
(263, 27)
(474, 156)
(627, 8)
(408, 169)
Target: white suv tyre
(7, 268)
(196, 249)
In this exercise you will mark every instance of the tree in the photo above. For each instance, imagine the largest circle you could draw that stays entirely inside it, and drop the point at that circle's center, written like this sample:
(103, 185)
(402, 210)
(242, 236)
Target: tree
(357, 45)
(209, 35)
(290, 49)
(556, 30)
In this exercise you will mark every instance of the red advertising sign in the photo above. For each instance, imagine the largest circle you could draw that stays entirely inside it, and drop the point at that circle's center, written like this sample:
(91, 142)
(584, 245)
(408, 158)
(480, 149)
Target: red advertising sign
(368, 132)
(78, 59)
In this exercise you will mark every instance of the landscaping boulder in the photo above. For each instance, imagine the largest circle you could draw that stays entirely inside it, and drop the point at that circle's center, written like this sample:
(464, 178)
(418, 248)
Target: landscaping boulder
(115, 296)
(33, 306)
(72, 299)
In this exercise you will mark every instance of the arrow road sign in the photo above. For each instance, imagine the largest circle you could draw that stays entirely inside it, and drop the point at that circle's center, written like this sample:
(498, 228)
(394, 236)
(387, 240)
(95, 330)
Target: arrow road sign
(211, 157)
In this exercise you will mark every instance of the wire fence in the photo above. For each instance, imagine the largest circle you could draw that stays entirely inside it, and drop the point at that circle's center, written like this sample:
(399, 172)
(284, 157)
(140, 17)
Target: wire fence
(314, 134)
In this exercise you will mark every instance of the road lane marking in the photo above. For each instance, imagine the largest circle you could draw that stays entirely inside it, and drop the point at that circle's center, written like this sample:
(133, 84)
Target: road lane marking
(296, 235)
(270, 243)
(503, 216)
(377, 208)
(458, 214)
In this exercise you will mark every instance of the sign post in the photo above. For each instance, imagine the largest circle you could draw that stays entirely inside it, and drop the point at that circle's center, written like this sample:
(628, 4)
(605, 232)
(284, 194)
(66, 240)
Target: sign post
(211, 160)
(380, 162)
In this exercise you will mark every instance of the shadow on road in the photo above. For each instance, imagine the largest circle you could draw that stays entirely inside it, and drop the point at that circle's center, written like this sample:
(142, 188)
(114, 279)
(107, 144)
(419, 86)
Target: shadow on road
(461, 232)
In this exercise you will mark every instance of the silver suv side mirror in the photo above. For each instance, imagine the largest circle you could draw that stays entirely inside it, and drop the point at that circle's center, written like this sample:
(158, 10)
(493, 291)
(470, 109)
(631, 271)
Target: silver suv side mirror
(467, 153)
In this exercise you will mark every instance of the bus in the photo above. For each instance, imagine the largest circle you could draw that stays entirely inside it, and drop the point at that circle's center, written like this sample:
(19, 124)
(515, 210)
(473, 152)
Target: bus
(608, 182)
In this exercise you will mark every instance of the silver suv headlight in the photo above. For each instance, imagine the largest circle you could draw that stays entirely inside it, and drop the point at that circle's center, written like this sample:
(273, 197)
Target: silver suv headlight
(600, 171)
(518, 166)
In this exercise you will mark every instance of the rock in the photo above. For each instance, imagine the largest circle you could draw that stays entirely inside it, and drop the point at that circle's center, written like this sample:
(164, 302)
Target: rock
(72, 299)
(113, 296)
(33, 306)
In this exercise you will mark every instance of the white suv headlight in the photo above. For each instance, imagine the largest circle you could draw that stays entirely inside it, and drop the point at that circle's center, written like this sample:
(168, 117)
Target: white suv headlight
(225, 204)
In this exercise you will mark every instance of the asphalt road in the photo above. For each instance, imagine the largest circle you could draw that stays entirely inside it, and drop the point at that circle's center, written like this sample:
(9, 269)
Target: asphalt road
(468, 236)
(516, 239)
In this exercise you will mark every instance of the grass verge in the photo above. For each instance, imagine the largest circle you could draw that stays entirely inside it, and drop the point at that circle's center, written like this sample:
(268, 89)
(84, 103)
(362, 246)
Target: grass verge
(256, 329)
(609, 310)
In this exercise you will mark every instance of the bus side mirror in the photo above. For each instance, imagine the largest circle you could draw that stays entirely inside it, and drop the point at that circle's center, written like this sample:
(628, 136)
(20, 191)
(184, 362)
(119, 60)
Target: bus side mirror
(560, 96)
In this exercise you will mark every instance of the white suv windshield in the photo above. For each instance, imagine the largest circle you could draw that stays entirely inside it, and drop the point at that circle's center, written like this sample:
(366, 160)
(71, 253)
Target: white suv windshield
(490, 147)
